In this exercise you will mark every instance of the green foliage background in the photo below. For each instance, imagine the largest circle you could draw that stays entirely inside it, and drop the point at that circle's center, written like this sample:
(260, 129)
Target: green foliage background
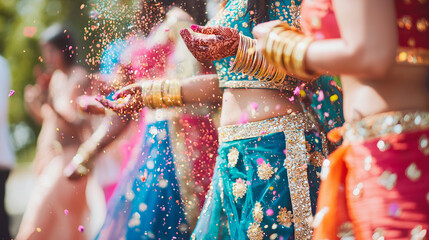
(23, 52)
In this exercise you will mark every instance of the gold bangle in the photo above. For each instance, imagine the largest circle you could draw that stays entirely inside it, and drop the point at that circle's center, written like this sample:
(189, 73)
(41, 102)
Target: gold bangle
(149, 94)
(144, 86)
(287, 53)
(272, 37)
(298, 57)
(244, 54)
(157, 94)
(250, 55)
(283, 44)
(238, 56)
(165, 93)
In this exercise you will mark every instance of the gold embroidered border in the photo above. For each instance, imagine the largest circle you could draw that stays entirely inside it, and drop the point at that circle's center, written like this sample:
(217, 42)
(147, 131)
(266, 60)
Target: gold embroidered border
(292, 84)
(384, 124)
(264, 127)
(296, 157)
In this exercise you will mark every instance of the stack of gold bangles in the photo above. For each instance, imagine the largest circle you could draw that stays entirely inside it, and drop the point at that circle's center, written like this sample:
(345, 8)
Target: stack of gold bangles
(161, 93)
(286, 47)
(252, 63)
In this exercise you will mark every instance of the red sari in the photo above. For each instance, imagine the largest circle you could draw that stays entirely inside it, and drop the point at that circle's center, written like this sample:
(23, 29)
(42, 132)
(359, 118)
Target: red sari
(376, 184)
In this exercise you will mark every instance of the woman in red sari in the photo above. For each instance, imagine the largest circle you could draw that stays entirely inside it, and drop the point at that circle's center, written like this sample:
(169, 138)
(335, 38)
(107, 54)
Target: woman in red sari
(375, 185)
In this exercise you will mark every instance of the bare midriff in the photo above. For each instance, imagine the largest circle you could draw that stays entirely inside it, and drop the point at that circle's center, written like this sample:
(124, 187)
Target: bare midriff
(251, 105)
(403, 89)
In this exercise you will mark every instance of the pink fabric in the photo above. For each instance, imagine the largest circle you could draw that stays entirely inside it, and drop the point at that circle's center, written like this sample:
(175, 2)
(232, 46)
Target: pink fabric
(149, 63)
(318, 19)
(201, 138)
(388, 195)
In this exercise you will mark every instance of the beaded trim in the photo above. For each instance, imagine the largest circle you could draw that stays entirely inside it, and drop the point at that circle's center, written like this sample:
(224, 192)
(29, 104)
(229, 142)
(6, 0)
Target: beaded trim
(292, 122)
(384, 124)
(289, 84)
(296, 157)
(293, 126)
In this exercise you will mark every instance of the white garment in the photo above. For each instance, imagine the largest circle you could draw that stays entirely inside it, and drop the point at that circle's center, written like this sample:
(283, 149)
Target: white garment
(7, 155)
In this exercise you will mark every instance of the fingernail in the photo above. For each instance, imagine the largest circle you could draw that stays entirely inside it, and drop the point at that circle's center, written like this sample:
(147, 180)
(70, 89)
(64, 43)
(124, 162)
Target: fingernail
(194, 27)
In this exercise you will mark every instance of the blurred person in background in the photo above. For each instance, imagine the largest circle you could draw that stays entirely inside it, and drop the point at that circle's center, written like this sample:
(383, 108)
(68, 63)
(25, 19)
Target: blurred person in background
(57, 206)
(7, 158)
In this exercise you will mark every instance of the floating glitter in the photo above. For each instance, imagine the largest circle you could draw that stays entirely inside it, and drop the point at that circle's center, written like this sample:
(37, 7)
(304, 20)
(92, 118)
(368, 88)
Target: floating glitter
(11, 92)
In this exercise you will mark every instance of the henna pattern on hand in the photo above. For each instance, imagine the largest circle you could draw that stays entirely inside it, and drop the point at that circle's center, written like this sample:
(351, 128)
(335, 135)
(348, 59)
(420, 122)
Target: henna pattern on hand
(220, 42)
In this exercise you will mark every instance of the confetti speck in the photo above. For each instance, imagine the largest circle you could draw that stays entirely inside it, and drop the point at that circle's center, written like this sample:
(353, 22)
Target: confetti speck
(81, 228)
(11, 93)
(66, 212)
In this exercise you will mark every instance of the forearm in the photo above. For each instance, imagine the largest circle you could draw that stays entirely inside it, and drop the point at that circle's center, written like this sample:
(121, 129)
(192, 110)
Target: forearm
(368, 43)
(338, 58)
(201, 89)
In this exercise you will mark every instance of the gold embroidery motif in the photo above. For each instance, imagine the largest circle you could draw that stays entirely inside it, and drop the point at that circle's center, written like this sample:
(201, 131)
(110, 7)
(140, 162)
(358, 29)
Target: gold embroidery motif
(258, 214)
(378, 234)
(265, 171)
(418, 233)
(424, 145)
(346, 231)
(357, 191)
(316, 158)
(285, 217)
(239, 189)
(413, 172)
(233, 157)
(388, 180)
(254, 232)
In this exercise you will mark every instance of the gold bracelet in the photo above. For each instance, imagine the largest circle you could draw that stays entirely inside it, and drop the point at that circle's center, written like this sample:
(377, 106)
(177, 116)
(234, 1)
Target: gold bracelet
(144, 86)
(165, 95)
(287, 53)
(238, 56)
(157, 94)
(298, 57)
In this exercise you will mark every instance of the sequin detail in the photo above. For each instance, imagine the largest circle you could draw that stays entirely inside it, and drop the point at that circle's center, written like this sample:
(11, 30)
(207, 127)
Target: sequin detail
(424, 145)
(261, 128)
(316, 158)
(296, 157)
(388, 180)
(265, 171)
(346, 231)
(233, 157)
(239, 189)
(285, 217)
(258, 213)
(254, 232)
(378, 234)
(384, 124)
(418, 233)
(413, 172)
(289, 84)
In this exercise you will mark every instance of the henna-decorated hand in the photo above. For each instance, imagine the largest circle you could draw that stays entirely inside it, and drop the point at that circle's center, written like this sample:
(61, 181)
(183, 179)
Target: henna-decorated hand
(126, 101)
(212, 43)
(89, 104)
(260, 32)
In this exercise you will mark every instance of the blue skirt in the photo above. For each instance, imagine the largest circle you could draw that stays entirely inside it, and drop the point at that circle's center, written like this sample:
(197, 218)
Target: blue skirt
(147, 203)
(265, 182)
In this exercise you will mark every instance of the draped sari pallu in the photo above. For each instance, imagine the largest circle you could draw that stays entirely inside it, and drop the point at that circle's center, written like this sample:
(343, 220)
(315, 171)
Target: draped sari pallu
(376, 185)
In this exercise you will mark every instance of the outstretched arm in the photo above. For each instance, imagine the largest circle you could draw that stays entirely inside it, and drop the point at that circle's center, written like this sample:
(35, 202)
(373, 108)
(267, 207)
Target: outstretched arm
(368, 42)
